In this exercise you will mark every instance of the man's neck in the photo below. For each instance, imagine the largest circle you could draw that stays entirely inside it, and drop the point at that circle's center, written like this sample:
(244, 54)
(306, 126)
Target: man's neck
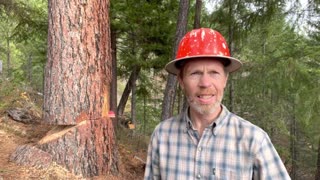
(201, 121)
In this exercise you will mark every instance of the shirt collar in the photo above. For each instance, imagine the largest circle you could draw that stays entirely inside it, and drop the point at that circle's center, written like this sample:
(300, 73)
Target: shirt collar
(215, 125)
(221, 120)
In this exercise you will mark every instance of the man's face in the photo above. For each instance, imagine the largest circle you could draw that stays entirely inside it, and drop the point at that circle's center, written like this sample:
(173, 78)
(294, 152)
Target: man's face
(203, 81)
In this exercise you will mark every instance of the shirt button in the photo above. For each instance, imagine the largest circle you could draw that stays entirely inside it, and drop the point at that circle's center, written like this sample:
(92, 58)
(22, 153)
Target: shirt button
(199, 149)
(198, 176)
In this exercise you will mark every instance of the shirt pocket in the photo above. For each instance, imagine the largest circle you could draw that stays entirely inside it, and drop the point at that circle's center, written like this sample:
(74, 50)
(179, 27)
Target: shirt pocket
(224, 174)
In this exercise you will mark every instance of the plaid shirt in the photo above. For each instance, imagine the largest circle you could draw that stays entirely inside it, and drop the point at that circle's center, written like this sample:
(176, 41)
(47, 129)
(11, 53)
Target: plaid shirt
(231, 148)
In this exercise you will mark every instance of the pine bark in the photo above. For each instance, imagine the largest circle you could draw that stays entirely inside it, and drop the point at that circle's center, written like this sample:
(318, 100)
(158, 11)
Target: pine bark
(78, 67)
(170, 90)
(76, 91)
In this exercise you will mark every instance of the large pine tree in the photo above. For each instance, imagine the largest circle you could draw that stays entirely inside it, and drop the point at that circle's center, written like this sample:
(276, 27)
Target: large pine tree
(76, 92)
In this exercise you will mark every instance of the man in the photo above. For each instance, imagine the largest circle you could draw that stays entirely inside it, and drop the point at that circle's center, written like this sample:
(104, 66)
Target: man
(207, 141)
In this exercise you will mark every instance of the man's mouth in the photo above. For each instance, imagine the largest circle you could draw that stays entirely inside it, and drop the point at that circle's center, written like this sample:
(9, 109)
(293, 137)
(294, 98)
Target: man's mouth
(206, 98)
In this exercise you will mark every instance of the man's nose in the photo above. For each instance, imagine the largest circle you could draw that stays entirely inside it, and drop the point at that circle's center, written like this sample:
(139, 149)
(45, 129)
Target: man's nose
(205, 81)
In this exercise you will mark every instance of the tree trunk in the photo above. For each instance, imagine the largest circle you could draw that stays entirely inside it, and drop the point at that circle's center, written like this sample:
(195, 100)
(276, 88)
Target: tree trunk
(231, 94)
(8, 57)
(76, 90)
(181, 101)
(126, 92)
(317, 177)
(113, 91)
(77, 73)
(133, 97)
(196, 25)
(29, 69)
(197, 16)
(144, 114)
(230, 44)
(170, 89)
(168, 99)
(0, 67)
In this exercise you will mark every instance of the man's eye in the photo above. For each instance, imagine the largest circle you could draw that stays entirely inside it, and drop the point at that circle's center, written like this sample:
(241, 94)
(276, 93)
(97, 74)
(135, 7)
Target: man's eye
(195, 73)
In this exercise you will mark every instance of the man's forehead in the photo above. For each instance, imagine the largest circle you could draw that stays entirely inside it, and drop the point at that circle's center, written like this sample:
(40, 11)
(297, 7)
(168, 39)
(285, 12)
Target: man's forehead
(204, 62)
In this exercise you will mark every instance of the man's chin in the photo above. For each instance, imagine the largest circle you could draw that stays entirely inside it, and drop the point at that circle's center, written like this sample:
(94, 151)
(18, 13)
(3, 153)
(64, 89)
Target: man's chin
(206, 109)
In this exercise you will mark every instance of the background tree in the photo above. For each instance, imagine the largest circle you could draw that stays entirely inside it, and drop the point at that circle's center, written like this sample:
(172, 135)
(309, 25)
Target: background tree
(197, 17)
(182, 100)
(181, 30)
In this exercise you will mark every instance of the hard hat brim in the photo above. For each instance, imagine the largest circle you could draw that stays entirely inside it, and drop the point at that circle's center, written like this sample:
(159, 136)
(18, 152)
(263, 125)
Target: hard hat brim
(234, 64)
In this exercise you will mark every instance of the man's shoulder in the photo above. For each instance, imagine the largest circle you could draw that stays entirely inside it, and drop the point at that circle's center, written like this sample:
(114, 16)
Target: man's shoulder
(247, 127)
(246, 133)
(232, 120)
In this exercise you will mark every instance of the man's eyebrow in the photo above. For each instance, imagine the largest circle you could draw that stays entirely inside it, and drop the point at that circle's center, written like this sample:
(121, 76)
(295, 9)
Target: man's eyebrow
(213, 70)
(195, 70)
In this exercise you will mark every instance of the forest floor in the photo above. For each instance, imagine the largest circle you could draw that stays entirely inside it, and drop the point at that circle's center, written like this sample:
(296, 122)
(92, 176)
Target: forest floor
(13, 134)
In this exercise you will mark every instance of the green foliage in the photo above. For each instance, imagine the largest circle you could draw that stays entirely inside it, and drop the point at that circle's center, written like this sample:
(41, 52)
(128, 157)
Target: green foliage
(236, 18)
(278, 86)
(144, 37)
(149, 102)
(8, 94)
(145, 33)
(24, 25)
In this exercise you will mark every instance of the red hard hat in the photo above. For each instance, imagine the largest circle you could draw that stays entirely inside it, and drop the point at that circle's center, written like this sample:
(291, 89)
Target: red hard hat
(203, 42)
